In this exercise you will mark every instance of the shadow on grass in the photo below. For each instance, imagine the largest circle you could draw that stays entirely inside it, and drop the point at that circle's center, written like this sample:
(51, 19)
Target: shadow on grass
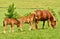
(42, 28)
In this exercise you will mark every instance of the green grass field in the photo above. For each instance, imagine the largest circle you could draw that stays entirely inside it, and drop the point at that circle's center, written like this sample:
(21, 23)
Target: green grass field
(26, 6)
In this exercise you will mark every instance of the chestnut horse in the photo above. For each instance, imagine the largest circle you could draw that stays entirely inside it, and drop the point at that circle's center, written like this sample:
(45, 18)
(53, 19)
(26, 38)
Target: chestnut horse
(10, 21)
(27, 19)
(44, 15)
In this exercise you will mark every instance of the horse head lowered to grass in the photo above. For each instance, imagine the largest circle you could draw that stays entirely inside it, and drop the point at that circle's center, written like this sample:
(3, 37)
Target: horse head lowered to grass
(44, 15)
(27, 19)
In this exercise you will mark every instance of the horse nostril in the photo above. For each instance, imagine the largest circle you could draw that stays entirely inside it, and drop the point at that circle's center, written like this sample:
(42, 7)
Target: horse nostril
(53, 26)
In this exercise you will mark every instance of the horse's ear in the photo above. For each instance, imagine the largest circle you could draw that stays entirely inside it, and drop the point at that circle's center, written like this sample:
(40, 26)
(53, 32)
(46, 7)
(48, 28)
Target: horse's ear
(54, 19)
(34, 12)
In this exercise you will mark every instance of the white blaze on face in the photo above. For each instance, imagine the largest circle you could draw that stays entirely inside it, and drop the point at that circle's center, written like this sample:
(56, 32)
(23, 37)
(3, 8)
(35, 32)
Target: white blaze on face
(36, 17)
(54, 18)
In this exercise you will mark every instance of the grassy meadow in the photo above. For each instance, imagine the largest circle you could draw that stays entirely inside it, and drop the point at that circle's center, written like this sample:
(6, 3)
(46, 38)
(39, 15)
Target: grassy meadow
(27, 6)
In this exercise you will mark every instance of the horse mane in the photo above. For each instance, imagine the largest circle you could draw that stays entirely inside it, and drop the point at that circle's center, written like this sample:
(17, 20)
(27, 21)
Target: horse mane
(52, 18)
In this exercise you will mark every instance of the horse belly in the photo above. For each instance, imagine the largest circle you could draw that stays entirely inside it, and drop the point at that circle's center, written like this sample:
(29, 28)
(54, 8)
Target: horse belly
(43, 19)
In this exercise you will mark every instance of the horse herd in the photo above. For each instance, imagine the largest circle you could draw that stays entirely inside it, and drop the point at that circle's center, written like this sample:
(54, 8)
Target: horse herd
(34, 17)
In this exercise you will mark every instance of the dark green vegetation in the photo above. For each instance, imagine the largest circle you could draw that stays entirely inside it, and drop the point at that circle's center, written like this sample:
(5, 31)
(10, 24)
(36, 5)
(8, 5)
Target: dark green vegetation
(11, 12)
(25, 7)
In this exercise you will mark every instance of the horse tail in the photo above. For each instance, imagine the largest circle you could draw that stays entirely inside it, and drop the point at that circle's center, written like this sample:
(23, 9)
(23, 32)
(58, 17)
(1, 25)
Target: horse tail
(3, 23)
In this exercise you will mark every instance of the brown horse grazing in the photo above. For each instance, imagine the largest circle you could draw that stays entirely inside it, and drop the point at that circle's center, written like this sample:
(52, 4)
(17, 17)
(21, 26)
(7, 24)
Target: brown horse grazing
(44, 15)
(28, 19)
(10, 21)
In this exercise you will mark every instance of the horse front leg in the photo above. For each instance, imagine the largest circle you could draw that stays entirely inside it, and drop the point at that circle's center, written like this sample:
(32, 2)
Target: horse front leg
(36, 24)
(30, 27)
(43, 24)
(48, 23)
(12, 28)
(20, 27)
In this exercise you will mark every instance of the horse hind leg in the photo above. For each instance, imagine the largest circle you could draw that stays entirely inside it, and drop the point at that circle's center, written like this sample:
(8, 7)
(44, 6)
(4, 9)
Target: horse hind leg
(36, 24)
(48, 23)
(32, 26)
(43, 24)
(21, 28)
(4, 27)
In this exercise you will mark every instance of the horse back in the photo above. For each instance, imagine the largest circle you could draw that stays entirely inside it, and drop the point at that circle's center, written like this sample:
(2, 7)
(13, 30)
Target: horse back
(10, 21)
(30, 17)
(43, 14)
(22, 19)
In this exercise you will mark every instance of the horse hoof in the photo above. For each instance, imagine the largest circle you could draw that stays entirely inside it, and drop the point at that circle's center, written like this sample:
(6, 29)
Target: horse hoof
(4, 32)
(21, 29)
(30, 29)
(12, 31)
(42, 28)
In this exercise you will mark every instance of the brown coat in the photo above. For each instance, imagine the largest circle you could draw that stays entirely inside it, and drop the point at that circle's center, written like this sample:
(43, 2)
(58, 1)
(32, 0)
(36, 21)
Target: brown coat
(44, 15)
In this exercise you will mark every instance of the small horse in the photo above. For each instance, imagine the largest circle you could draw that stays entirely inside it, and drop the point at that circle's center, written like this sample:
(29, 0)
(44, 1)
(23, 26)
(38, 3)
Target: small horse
(27, 19)
(10, 21)
(44, 15)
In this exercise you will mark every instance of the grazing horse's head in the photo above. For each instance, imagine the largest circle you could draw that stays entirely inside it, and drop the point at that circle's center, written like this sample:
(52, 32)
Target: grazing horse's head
(17, 23)
(53, 23)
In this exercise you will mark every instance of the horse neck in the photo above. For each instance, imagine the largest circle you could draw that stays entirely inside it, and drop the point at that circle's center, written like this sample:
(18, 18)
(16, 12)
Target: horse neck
(16, 21)
(52, 18)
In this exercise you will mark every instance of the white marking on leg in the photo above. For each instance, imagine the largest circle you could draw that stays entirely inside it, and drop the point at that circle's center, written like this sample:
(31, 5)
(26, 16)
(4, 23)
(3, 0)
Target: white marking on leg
(30, 27)
(21, 29)
(12, 30)
(4, 31)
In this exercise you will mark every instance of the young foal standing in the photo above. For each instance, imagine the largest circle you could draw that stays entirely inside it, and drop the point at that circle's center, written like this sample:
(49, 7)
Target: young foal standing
(44, 15)
(28, 19)
(10, 21)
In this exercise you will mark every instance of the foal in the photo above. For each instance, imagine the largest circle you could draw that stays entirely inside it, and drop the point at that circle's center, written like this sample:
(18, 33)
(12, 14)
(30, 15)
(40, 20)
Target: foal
(10, 21)
(28, 19)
